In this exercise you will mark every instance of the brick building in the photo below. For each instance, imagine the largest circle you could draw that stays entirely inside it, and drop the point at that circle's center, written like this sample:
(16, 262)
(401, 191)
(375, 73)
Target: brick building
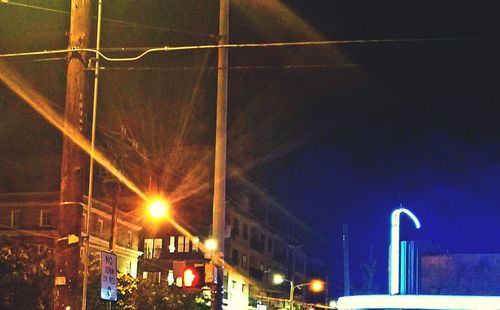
(33, 217)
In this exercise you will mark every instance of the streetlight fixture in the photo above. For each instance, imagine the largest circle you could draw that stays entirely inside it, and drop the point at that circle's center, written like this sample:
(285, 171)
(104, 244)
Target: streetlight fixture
(394, 258)
(211, 245)
(316, 286)
(158, 208)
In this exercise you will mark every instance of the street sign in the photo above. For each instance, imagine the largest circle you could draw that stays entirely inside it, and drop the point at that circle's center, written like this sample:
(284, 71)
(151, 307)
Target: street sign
(108, 276)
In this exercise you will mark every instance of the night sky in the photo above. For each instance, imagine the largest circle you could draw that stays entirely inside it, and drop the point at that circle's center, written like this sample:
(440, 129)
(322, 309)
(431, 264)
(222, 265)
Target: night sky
(339, 134)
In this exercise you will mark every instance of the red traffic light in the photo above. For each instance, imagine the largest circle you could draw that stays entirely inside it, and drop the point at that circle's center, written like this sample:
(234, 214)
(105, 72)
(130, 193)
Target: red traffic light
(190, 277)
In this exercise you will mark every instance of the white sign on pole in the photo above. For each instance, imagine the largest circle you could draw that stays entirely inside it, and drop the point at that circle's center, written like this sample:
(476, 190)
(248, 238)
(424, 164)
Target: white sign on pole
(108, 276)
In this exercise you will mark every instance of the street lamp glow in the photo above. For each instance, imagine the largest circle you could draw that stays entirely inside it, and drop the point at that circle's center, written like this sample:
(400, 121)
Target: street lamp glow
(278, 278)
(211, 244)
(158, 209)
(316, 286)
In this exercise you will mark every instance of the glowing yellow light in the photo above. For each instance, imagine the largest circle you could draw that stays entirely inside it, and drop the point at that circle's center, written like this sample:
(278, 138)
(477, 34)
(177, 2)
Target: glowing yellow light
(278, 279)
(317, 286)
(158, 209)
(211, 244)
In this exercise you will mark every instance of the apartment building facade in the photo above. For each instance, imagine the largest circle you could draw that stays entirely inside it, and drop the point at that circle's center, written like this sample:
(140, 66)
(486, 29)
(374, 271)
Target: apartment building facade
(33, 217)
(256, 247)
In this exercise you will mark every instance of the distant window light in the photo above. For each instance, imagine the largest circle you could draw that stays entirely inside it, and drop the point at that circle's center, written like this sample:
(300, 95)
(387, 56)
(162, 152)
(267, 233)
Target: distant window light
(195, 243)
(171, 246)
(155, 276)
(152, 248)
(157, 248)
(45, 218)
(170, 278)
(15, 218)
(182, 244)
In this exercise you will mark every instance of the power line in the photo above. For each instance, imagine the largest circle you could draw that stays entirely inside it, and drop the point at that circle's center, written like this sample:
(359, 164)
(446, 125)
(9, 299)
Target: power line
(146, 51)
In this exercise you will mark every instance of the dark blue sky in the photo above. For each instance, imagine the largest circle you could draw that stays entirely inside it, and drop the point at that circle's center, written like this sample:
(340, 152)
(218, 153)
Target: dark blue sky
(411, 123)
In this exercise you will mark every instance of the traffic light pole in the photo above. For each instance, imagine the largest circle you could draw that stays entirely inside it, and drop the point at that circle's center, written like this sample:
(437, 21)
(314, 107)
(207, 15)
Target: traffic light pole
(67, 291)
(219, 204)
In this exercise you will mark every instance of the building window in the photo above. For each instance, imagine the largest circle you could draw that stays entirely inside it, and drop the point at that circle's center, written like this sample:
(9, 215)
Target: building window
(234, 256)
(157, 248)
(245, 232)
(15, 218)
(243, 287)
(182, 244)
(45, 218)
(99, 227)
(194, 244)
(129, 239)
(153, 276)
(170, 278)
(244, 261)
(129, 267)
(235, 231)
(226, 288)
(152, 248)
(171, 246)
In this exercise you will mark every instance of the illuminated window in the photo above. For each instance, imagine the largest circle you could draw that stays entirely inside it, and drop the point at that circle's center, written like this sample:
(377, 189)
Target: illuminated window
(45, 218)
(152, 248)
(171, 246)
(148, 248)
(15, 218)
(170, 278)
(157, 248)
(194, 246)
(182, 244)
(99, 227)
(154, 276)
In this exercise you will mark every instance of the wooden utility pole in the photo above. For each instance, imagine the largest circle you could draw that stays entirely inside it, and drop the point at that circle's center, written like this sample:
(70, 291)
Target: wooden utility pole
(67, 289)
(219, 205)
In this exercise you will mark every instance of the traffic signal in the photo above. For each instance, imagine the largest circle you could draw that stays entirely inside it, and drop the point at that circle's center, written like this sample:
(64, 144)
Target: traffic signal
(193, 276)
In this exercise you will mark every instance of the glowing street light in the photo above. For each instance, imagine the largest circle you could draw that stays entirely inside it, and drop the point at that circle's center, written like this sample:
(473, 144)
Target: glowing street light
(315, 285)
(211, 245)
(158, 208)
(278, 279)
(394, 247)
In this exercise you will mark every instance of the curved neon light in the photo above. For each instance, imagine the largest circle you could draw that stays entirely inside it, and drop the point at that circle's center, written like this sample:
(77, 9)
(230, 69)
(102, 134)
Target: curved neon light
(443, 302)
(394, 247)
